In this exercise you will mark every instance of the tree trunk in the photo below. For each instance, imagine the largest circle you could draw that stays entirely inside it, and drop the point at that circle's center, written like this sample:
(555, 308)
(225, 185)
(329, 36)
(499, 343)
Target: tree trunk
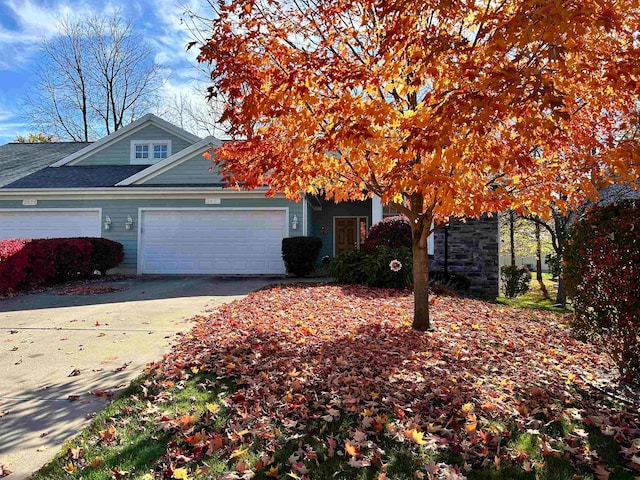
(560, 226)
(421, 320)
(420, 227)
(538, 255)
(545, 293)
(561, 296)
(512, 237)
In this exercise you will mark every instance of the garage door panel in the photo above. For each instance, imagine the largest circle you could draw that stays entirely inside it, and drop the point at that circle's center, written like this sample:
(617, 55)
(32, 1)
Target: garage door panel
(49, 224)
(213, 242)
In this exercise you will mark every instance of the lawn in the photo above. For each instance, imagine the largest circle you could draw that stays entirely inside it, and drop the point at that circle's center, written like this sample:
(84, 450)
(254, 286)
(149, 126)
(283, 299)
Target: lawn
(330, 382)
(536, 297)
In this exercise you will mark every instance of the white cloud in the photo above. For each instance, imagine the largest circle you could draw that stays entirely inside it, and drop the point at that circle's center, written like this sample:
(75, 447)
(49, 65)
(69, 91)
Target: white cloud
(36, 22)
(10, 125)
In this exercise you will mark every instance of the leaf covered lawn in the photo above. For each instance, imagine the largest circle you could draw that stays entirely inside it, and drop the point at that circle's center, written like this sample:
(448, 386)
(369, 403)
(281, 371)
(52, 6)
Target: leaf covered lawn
(326, 381)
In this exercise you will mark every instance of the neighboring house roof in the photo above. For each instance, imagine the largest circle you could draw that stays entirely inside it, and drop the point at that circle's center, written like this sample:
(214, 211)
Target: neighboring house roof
(148, 119)
(78, 176)
(18, 160)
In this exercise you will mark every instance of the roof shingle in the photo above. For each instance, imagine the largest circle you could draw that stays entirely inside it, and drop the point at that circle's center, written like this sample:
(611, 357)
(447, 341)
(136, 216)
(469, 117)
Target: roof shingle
(18, 160)
(77, 176)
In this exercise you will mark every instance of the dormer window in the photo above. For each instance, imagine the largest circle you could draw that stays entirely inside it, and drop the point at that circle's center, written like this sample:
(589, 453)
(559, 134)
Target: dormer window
(147, 152)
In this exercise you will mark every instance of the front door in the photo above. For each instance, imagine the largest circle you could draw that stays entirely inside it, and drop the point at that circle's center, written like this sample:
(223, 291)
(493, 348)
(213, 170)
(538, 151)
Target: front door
(346, 234)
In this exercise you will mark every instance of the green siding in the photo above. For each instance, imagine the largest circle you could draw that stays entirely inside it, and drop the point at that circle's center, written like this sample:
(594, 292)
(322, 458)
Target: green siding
(192, 171)
(118, 210)
(120, 152)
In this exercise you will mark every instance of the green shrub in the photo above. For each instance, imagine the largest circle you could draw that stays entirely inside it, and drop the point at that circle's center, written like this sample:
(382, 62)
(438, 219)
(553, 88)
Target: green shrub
(300, 254)
(515, 280)
(347, 267)
(555, 265)
(383, 267)
(602, 273)
(389, 267)
(394, 232)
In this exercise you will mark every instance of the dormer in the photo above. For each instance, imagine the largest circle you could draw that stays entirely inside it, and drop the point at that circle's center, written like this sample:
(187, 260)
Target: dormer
(148, 152)
(146, 141)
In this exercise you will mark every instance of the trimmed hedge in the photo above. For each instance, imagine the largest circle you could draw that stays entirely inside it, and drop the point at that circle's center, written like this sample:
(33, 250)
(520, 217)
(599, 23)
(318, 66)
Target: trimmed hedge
(394, 232)
(106, 254)
(26, 264)
(300, 254)
(602, 273)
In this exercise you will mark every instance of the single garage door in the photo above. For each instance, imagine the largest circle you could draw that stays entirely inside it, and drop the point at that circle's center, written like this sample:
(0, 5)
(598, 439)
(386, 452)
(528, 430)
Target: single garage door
(212, 242)
(49, 224)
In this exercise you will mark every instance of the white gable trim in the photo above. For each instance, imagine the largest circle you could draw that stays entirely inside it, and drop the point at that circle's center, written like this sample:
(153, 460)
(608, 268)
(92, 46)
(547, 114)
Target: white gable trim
(170, 162)
(148, 119)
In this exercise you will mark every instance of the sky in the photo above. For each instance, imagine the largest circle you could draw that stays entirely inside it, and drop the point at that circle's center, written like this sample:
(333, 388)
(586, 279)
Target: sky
(24, 24)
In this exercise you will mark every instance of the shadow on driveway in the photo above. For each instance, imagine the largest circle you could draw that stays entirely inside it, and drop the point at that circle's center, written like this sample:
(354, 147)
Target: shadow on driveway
(136, 289)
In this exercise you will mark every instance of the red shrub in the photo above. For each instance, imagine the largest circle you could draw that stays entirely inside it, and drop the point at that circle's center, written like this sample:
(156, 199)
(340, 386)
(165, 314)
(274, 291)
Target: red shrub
(602, 271)
(105, 254)
(394, 232)
(26, 264)
(13, 262)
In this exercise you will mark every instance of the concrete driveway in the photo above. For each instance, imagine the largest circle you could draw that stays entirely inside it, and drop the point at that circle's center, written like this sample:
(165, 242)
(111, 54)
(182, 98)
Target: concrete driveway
(59, 353)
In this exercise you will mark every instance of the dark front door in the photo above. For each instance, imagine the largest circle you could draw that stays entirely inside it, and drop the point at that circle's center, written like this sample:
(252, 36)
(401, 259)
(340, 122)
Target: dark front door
(346, 234)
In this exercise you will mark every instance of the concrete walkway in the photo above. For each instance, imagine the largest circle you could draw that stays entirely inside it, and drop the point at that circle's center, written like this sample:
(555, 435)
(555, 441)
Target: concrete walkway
(59, 353)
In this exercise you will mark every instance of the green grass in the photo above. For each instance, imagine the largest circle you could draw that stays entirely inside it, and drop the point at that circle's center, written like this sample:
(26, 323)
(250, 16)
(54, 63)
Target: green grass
(142, 444)
(535, 297)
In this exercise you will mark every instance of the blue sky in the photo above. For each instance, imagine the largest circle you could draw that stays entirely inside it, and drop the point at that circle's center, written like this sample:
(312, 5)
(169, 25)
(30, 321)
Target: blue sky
(26, 23)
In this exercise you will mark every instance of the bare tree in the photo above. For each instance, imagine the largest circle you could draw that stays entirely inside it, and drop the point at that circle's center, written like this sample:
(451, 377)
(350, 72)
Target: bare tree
(199, 117)
(94, 78)
(122, 71)
(57, 103)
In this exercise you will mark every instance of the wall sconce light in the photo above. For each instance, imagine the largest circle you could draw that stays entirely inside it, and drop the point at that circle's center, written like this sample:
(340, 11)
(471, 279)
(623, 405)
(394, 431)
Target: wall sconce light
(128, 223)
(107, 222)
(323, 231)
(294, 223)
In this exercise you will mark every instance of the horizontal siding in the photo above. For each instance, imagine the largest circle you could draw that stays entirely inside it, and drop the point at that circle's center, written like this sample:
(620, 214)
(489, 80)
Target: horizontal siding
(119, 152)
(192, 171)
(118, 210)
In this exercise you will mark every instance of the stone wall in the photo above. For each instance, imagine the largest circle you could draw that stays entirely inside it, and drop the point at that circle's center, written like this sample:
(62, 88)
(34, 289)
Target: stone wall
(474, 252)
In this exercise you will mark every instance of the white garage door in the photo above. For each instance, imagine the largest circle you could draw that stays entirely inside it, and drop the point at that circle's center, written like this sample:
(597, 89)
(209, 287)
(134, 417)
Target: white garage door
(212, 242)
(49, 224)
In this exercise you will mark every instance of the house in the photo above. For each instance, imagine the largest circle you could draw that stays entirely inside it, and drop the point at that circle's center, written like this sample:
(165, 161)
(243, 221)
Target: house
(149, 187)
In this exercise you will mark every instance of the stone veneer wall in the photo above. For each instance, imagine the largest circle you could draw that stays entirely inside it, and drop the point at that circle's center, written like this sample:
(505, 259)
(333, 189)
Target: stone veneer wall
(474, 252)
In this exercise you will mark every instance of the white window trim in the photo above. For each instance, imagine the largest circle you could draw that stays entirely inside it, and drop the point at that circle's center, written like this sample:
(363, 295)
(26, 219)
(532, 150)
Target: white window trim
(151, 144)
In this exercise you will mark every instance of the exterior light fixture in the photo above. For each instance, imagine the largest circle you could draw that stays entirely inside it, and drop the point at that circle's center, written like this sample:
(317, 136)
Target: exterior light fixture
(294, 223)
(128, 223)
(107, 222)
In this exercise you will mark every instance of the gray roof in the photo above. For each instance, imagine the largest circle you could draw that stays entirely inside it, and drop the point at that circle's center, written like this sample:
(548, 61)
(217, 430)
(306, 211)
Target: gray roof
(17, 160)
(78, 176)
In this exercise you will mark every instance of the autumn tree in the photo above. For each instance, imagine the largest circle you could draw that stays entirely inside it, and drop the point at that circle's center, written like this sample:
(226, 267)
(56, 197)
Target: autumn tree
(94, 77)
(38, 137)
(442, 108)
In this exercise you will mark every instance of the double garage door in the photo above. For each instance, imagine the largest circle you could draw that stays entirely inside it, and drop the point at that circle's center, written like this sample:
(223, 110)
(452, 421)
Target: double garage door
(212, 242)
(242, 242)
